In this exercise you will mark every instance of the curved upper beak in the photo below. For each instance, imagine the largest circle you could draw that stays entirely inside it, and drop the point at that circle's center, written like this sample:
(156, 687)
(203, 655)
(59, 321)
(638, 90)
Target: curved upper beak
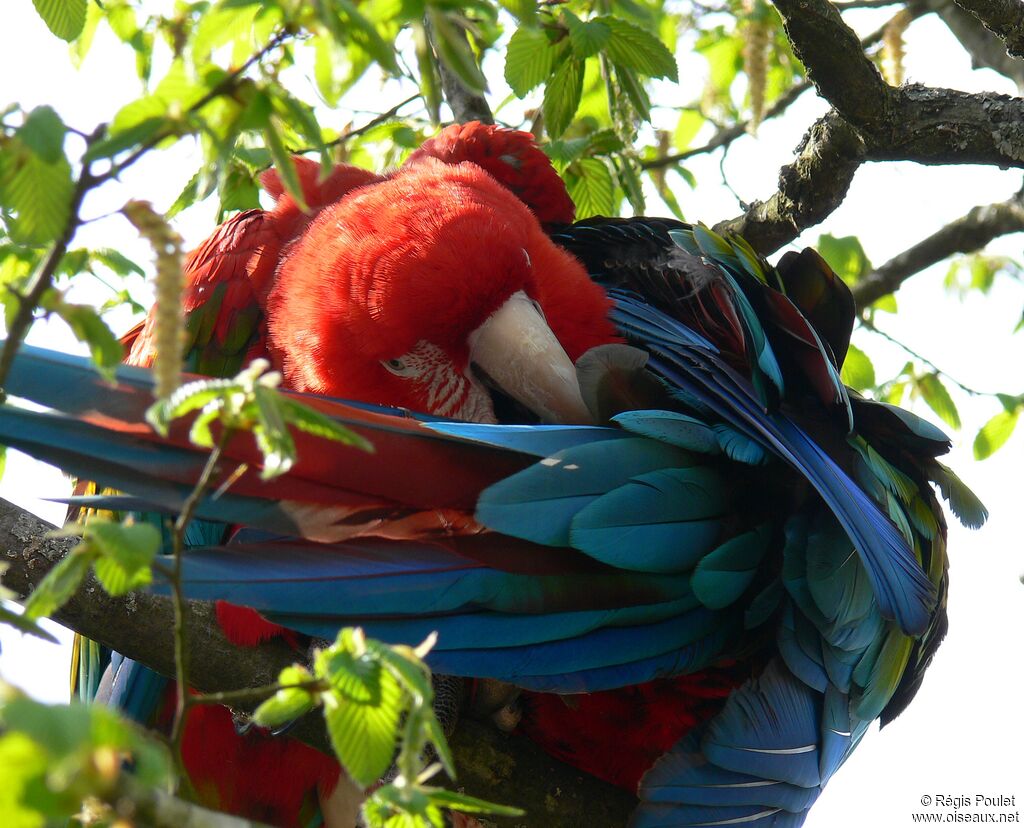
(518, 351)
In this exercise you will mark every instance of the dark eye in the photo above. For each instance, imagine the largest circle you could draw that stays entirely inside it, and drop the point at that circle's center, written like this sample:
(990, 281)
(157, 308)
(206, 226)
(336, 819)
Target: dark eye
(399, 367)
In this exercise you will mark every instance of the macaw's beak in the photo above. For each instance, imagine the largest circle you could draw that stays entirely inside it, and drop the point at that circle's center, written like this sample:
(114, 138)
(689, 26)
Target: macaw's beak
(517, 351)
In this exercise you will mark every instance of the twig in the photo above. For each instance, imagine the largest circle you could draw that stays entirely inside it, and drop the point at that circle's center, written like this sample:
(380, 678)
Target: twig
(972, 232)
(229, 698)
(974, 392)
(726, 136)
(225, 86)
(42, 281)
(376, 121)
(183, 700)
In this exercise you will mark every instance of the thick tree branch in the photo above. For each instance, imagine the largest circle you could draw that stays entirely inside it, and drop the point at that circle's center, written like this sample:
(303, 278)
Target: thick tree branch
(492, 765)
(986, 50)
(871, 121)
(1004, 18)
(835, 61)
(810, 188)
(965, 235)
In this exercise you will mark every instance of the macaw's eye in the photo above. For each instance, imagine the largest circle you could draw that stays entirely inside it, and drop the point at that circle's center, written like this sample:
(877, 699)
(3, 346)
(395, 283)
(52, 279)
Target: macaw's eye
(399, 367)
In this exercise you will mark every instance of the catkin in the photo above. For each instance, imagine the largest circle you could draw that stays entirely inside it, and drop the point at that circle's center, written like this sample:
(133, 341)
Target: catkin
(893, 47)
(170, 322)
(756, 37)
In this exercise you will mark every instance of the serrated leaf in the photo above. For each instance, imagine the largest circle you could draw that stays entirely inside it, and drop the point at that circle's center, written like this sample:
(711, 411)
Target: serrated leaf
(59, 584)
(43, 133)
(65, 18)
(638, 49)
(591, 188)
(937, 396)
(529, 60)
(272, 436)
(120, 580)
(586, 37)
(562, 96)
(38, 193)
(858, 371)
(362, 714)
(995, 433)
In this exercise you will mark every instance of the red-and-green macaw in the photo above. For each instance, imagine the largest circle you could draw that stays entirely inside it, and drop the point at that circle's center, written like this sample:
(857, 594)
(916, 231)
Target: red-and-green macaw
(730, 561)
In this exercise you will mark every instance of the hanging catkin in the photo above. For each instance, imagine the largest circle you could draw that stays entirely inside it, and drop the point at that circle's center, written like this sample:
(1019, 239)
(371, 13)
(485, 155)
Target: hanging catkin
(170, 322)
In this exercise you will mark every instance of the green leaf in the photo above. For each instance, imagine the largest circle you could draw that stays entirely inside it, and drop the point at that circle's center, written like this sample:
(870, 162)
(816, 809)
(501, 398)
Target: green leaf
(272, 436)
(289, 703)
(37, 192)
(591, 188)
(43, 133)
(937, 396)
(59, 585)
(724, 55)
(845, 256)
(313, 422)
(689, 124)
(25, 625)
(586, 37)
(638, 49)
(284, 164)
(65, 18)
(471, 804)
(529, 60)
(995, 433)
(117, 262)
(222, 24)
(525, 11)
(453, 49)
(131, 545)
(360, 31)
(858, 371)
(562, 96)
(120, 580)
(88, 327)
(362, 713)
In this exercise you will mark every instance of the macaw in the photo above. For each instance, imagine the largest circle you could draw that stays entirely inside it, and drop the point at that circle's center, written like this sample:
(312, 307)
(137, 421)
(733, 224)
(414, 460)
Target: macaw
(709, 579)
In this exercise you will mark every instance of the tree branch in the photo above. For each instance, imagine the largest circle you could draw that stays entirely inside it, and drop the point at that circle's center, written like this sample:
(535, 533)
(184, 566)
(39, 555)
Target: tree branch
(1004, 18)
(972, 232)
(871, 121)
(835, 61)
(726, 136)
(810, 188)
(509, 769)
(986, 50)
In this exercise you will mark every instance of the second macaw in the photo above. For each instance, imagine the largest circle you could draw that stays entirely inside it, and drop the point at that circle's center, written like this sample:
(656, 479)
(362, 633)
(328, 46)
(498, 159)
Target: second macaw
(708, 595)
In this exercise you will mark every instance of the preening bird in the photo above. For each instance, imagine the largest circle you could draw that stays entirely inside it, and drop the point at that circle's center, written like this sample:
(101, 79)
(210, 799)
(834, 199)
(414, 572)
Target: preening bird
(638, 489)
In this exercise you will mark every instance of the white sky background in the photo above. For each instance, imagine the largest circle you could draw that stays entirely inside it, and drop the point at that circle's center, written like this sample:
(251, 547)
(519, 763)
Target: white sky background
(964, 734)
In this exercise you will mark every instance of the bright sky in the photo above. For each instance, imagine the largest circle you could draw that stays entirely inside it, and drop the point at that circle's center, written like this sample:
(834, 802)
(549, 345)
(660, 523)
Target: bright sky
(963, 733)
